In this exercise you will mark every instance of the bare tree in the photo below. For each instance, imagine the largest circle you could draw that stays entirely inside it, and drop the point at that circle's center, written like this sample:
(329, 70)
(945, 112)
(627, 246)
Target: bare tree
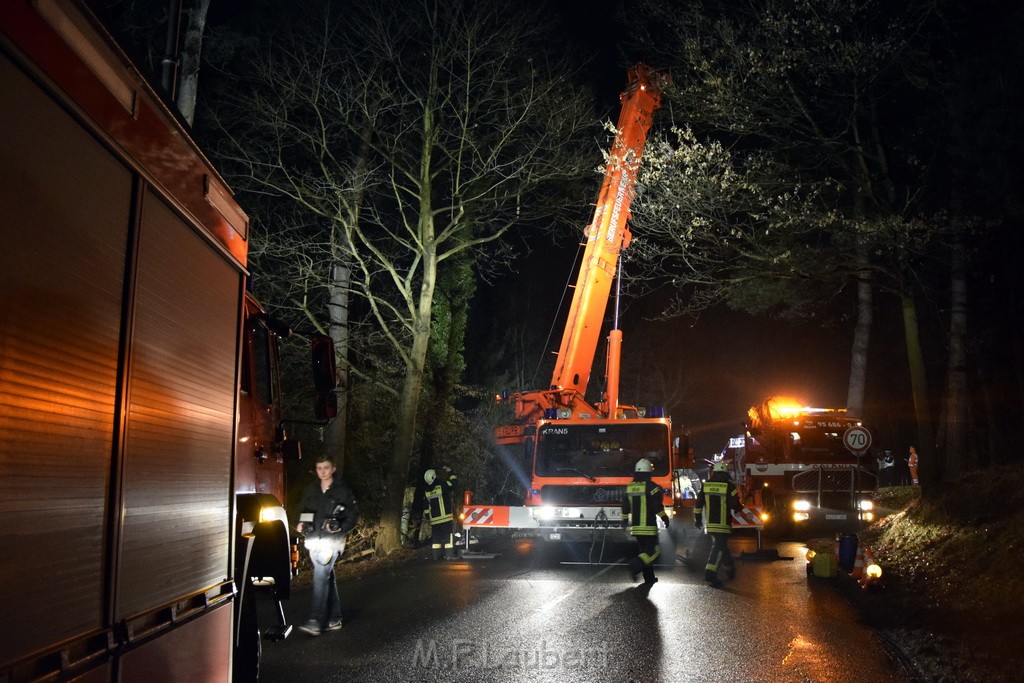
(191, 58)
(408, 134)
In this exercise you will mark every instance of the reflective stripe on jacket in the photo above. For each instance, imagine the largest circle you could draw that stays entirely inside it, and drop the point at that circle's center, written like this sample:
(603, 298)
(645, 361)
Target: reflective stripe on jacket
(714, 501)
(643, 503)
(439, 500)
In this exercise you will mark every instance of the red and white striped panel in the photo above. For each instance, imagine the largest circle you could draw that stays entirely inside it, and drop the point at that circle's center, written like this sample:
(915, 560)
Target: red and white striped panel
(485, 515)
(747, 518)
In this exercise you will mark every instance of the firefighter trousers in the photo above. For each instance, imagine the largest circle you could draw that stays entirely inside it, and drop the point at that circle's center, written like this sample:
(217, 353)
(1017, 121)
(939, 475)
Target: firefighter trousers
(442, 540)
(648, 552)
(719, 557)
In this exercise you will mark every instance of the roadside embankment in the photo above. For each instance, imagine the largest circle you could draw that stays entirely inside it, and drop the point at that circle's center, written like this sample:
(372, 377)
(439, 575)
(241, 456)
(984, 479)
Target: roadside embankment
(953, 589)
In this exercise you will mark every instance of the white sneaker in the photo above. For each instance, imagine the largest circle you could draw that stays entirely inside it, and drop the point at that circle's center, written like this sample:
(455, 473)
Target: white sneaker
(334, 625)
(310, 627)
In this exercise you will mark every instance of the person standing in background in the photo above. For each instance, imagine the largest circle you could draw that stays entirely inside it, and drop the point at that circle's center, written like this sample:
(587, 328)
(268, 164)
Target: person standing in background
(334, 513)
(887, 470)
(912, 466)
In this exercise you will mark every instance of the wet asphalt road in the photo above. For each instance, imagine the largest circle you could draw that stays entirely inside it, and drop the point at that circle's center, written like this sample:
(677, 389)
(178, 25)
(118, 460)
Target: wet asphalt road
(532, 614)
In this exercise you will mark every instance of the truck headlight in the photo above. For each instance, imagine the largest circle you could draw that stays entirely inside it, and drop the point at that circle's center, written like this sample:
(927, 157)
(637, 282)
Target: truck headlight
(866, 505)
(546, 512)
(273, 513)
(802, 505)
(551, 512)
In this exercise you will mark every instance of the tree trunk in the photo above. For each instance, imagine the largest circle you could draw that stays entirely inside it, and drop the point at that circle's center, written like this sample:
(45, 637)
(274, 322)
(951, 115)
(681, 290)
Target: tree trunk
(334, 434)
(1013, 286)
(994, 443)
(390, 537)
(191, 53)
(956, 398)
(169, 62)
(861, 339)
(929, 471)
(339, 289)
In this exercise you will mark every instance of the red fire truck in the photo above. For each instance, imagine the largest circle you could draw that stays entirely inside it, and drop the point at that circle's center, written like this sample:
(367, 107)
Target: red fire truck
(807, 466)
(141, 449)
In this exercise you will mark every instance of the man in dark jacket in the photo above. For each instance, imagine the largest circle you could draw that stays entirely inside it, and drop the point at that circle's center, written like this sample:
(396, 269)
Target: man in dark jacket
(643, 505)
(334, 513)
(440, 499)
(717, 497)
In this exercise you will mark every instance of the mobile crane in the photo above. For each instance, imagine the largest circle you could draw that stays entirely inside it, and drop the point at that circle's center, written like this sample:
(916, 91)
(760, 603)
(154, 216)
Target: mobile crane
(576, 456)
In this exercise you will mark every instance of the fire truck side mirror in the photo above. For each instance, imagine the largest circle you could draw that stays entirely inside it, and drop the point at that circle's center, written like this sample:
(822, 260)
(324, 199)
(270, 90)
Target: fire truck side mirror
(291, 450)
(325, 405)
(325, 401)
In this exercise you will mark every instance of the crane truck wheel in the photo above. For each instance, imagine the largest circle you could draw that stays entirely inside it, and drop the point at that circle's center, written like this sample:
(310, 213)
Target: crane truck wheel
(249, 645)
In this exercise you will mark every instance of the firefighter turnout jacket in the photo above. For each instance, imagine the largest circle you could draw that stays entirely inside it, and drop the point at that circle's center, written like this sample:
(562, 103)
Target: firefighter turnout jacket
(439, 500)
(717, 496)
(643, 503)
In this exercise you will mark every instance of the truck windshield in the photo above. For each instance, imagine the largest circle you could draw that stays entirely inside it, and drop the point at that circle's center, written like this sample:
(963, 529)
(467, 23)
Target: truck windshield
(822, 437)
(812, 439)
(601, 450)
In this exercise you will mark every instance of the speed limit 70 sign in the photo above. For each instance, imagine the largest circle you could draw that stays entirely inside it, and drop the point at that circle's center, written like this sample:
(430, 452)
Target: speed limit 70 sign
(857, 439)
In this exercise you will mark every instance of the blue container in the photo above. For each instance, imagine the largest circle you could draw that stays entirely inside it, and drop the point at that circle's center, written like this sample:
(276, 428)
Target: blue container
(847, 551)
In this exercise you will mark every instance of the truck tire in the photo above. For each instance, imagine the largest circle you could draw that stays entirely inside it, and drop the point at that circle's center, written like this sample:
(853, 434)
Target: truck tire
(249, 645)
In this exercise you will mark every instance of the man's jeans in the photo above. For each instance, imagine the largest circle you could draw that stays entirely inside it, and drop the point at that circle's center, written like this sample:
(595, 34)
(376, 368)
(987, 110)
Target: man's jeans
(325, 604)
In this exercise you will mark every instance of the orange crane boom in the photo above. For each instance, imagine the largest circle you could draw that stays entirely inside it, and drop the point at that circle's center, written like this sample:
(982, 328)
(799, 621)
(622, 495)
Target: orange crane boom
(606, 236)
(608, 232)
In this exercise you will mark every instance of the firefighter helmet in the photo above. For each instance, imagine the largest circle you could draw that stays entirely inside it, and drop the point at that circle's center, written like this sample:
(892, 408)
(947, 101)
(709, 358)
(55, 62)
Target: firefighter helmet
(644, 465)
(720, 466)
(429, 476)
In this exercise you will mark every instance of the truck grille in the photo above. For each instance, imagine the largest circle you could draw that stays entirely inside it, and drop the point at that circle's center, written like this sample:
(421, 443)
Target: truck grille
(834, 480)
(582, 495)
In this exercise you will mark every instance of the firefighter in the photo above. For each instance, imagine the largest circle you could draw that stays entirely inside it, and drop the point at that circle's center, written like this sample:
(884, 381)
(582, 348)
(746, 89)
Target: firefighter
(717, 496)
(912, 466)
(439, 497)
(642, 504)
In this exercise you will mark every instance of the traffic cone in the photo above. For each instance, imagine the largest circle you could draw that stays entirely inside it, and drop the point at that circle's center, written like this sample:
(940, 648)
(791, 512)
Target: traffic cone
(869, 560)
(858, 564)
